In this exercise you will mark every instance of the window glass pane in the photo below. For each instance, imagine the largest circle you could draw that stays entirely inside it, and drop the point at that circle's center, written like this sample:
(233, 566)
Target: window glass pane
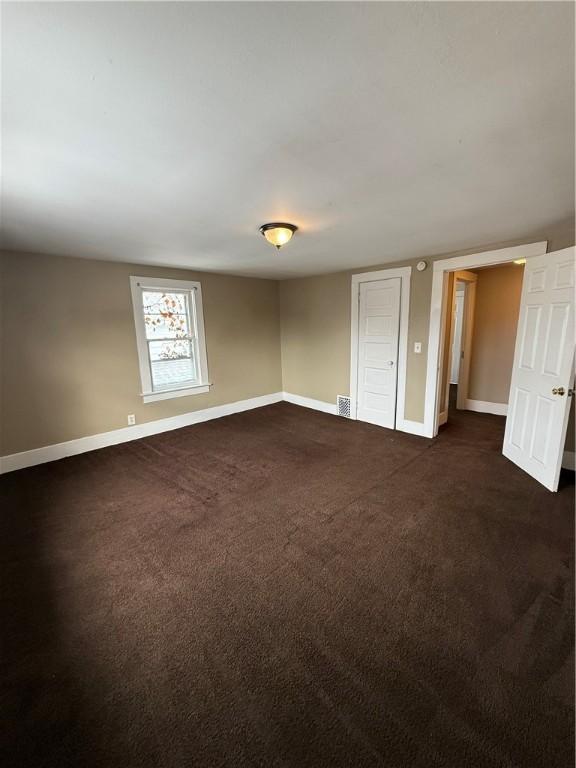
(169, 350)
(165, 315)
(169, 373)
(171, 363)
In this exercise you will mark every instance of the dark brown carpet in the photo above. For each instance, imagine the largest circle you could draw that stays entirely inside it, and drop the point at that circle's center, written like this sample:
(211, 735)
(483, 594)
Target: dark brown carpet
(285, 588)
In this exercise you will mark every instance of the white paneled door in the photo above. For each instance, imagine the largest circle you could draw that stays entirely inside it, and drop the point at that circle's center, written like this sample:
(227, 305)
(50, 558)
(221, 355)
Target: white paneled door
(378, 333)
(543, 371)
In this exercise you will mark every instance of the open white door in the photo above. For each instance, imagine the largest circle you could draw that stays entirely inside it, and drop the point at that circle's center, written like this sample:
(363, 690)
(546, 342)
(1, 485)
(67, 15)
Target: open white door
(543, 371)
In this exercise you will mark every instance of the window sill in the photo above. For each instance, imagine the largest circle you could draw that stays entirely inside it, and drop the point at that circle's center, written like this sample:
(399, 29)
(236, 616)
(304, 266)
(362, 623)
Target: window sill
(167, 394)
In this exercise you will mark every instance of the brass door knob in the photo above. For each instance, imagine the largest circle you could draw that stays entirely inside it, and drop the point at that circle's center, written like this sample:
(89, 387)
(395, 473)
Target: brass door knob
(559, 391)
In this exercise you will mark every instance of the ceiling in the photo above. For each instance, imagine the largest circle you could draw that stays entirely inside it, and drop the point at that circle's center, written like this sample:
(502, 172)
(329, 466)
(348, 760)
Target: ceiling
(167, 133)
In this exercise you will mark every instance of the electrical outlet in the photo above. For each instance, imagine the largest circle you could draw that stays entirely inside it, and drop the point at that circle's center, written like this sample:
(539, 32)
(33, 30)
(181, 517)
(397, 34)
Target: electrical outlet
(131, 419)
(417, 347)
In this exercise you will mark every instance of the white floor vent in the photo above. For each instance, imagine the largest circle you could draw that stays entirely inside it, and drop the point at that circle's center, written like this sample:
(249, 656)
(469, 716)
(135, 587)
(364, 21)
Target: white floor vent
(343, 406)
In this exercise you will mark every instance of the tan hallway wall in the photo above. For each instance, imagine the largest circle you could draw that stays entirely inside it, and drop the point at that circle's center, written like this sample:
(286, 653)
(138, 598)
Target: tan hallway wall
(498, 292)
(315, 313)
(69, 365)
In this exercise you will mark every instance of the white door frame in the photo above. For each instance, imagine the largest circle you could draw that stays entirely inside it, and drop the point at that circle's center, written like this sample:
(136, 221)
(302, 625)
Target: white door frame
(469, 279)
(441, 269)
(404, 273)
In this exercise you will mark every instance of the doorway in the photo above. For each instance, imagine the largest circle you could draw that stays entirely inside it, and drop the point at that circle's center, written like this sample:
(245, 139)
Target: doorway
(542, 374)
(481, 334)
(456, 349)
(458, 333)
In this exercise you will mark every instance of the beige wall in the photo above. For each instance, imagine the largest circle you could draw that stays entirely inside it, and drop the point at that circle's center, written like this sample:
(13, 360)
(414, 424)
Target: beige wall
(74, 370)
(498, 291)
(315, 315)
(69, 360)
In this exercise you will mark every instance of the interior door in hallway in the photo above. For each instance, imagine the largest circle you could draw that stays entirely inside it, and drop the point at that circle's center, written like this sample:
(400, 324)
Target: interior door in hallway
(378, 334)
(543, 371)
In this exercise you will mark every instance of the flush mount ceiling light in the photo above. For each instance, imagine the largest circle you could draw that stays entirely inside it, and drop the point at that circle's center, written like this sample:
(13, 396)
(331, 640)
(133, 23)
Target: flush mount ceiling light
(278, 233)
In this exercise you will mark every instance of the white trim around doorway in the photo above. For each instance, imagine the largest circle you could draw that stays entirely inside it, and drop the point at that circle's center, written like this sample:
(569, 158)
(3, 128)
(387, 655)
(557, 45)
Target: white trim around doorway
(437, 313)
(404, 273)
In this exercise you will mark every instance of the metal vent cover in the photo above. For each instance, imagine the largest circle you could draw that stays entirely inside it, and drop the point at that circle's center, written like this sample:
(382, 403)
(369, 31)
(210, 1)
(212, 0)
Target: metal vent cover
(343, 406)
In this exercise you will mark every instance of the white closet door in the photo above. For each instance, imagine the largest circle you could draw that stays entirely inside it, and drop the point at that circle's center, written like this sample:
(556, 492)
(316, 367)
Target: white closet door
(543, 369)
(378, 333)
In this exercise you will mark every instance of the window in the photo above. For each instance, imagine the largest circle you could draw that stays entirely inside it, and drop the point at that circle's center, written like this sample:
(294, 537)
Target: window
(170, 337)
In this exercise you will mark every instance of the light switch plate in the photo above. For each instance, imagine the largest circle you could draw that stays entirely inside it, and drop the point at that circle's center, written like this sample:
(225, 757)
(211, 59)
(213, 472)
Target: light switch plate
(417, 347)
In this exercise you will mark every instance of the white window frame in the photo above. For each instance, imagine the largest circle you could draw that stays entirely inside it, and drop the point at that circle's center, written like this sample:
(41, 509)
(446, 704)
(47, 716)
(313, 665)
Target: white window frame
(149, 394)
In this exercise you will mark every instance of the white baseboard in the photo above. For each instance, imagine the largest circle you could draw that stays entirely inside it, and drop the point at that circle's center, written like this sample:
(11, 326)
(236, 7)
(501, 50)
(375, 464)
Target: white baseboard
(569, 460)
(482, 406)
(403, 425)
(126, 434)
(442, 418)
(412, 427)
(309, 402)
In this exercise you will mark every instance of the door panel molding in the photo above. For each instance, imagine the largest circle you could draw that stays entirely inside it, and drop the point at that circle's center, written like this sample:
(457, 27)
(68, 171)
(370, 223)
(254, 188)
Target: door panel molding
(378, 351)
(543, 369)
